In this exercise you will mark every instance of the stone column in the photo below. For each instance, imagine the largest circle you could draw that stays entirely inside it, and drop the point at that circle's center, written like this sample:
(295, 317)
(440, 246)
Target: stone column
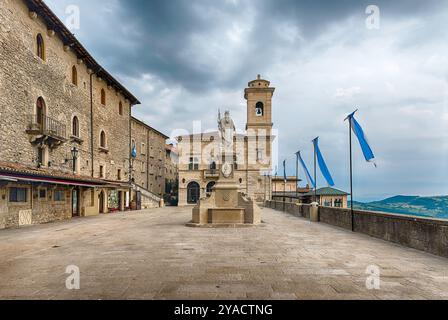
(314, 212)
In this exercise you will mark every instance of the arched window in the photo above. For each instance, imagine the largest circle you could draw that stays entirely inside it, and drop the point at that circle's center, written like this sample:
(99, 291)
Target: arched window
(213, 166)
(40, 46)
(210, 186)
(103, 97)
(193, 193)
(40, 113)
(259, 109)
(74, 76)
(120, 108)
(75, 127)
(103, 139)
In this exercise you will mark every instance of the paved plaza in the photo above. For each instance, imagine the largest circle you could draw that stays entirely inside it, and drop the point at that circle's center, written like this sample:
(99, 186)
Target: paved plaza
(152, 255)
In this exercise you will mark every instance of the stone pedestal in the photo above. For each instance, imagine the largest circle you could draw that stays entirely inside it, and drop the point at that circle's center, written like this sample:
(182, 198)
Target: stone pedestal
(226, 206)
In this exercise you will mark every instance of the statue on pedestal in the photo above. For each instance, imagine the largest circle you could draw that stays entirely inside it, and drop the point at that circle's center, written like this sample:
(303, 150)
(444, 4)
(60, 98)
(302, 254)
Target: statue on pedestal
(227, 129)
(226, 205)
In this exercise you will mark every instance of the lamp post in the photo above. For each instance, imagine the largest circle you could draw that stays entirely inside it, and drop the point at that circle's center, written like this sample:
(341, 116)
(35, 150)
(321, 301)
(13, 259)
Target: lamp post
(75, 152)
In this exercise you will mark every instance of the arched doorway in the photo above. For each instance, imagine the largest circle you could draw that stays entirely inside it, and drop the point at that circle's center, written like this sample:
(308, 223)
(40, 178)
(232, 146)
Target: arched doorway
(40, 113)
(210, 186)
(193, 193)
(101, 202)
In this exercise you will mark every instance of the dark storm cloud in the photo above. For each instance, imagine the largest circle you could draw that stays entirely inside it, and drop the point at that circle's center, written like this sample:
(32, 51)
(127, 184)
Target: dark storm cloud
(164, 30)
(164, 34)
(171, 38)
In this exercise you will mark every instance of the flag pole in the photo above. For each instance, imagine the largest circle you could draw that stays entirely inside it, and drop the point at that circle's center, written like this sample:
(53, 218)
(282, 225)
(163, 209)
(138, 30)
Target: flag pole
(284, 185)
(315, 173)
(351, 178)
(297, 175)
(350, 128)
(284, 197)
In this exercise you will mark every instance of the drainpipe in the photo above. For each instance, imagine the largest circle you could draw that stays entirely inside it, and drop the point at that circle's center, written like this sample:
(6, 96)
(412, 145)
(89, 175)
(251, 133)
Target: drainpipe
(91, 122)
(129, 153)
(147, 159)
(247, 166)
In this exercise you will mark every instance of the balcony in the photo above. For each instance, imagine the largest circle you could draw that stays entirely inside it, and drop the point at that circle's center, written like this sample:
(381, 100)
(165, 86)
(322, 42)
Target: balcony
(211, 174)
(46, 130)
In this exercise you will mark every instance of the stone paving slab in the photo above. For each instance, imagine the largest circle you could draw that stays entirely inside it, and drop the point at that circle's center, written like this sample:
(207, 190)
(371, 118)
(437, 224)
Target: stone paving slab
(153, 255)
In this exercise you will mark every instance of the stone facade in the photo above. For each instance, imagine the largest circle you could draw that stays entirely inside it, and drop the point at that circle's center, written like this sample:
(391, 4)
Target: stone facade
(279, 185)
(56, 98)
(171, 164)
(198, 154)
(149, 163)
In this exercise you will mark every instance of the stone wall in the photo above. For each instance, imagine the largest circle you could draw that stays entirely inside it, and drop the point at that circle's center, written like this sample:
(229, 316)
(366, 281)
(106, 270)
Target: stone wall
(24, 77)
(36, 210)
(116, 126)
(149, 169)
(424, 234)
(171, 165)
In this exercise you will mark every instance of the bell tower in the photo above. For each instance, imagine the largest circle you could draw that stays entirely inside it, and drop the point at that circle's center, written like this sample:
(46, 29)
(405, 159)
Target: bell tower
(259, 105)
(259, 132)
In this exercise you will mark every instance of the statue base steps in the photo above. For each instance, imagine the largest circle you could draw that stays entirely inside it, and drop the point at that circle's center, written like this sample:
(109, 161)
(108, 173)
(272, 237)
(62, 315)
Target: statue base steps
(226, 208)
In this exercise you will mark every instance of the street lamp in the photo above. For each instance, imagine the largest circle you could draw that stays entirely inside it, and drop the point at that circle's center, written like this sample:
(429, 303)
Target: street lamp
(74, 158)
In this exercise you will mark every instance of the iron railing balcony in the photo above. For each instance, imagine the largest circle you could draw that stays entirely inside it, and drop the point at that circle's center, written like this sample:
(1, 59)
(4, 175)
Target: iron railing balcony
(46, 126)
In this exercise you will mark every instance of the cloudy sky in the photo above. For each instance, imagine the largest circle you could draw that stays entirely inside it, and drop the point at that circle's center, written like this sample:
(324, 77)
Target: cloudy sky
(185, 59)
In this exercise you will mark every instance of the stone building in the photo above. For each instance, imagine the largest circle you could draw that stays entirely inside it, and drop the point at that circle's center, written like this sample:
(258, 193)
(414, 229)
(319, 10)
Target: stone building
(199, 163)
(171, 164)
(65, 123)
(327, 197)
(149, 159)
(171, 175)
(279, 184)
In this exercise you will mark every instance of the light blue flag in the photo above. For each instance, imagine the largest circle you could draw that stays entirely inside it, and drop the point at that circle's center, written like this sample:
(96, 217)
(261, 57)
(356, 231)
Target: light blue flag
(359, 133)
(322, 165)
(308, 175)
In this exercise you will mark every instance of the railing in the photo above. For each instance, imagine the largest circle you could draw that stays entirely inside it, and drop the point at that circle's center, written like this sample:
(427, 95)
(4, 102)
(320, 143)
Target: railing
(40, 124)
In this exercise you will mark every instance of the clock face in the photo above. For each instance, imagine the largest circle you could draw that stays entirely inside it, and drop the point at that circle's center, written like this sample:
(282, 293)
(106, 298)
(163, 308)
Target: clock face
(227, 169)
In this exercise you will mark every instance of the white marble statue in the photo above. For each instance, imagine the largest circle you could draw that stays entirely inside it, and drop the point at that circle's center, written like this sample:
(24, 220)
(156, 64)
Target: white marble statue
(227, 130)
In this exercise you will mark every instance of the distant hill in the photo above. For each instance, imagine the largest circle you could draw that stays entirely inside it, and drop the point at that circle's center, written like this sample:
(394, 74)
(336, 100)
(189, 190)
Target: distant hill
(435, 207)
